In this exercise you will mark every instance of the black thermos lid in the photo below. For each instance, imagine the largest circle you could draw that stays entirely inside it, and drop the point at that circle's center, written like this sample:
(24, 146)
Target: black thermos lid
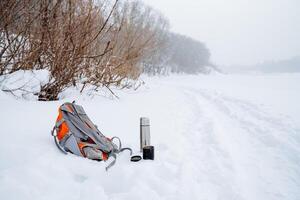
(148, 153)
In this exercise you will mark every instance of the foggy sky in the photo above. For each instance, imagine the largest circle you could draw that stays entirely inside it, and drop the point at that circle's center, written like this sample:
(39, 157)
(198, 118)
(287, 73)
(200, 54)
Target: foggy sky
(238, 32)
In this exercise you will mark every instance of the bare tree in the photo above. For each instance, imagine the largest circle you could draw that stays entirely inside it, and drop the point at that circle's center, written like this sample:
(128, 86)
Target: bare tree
(137, 31)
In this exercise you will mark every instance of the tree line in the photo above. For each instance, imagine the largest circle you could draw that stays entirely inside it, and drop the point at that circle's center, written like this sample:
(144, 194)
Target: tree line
(92, 42)
(180, 54)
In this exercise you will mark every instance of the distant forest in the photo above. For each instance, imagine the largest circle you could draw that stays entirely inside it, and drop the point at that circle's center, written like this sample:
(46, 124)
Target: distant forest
(291, 65)
(288, 65)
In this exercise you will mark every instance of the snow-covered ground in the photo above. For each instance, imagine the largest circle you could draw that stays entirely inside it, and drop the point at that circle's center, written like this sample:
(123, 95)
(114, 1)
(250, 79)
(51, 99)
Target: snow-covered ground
(215, 137)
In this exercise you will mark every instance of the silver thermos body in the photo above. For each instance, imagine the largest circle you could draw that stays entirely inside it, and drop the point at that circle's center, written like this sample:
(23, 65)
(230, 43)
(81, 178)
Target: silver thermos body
(144, 132)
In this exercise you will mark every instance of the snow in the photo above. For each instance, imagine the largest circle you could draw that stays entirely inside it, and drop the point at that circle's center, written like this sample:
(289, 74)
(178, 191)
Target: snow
(24, 84)
(215, 137)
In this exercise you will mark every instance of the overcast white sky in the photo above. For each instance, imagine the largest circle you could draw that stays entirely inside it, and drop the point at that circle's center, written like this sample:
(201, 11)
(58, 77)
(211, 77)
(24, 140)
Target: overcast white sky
(238, 32)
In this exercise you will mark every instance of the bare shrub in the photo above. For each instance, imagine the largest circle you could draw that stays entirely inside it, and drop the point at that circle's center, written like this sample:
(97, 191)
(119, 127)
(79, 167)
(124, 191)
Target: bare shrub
(101, 43)
(17, 19)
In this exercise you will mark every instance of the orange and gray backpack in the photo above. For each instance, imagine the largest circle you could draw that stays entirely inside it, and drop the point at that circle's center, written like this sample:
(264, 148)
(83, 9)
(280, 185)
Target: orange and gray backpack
(74, 132)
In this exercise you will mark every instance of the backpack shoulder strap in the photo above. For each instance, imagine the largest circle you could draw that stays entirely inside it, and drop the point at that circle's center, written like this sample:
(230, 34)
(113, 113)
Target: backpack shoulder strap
(114, 155)
(54, 134)
(113, 162)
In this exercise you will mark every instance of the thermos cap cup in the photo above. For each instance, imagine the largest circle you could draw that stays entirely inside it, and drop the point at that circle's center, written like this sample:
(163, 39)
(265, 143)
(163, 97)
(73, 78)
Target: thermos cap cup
(144, 121)
(148, 153)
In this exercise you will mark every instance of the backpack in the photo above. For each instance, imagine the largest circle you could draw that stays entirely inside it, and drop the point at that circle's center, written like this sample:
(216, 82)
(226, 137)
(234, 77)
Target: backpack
(74, 132)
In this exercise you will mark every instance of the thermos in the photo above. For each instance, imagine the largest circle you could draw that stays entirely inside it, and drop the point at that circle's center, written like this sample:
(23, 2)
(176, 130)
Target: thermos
(144, 132)
(146, 148)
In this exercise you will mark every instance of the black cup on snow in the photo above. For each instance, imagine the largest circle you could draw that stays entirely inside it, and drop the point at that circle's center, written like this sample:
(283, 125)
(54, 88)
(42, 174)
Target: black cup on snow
(148, 153)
